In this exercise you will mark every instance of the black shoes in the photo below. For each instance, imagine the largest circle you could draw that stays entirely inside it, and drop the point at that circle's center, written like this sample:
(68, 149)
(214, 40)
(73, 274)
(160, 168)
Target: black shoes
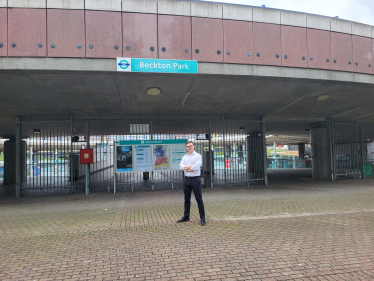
(184, 219)
(187, 219)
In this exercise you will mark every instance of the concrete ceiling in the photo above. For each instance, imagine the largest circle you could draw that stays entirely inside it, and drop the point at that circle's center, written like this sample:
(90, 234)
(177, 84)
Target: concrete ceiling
(290, 105)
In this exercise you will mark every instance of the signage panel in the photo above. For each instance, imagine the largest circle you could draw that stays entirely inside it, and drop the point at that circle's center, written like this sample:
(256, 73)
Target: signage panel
(177, 153)
(157, 65)
(149, 155)
(124, 159)
(143, 159)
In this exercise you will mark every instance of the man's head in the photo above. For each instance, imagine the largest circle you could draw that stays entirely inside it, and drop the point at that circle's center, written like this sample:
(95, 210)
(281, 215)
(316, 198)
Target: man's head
(190, 146)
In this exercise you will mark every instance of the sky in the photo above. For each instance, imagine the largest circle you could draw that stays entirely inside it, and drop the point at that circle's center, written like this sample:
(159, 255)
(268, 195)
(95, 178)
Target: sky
(354, 10)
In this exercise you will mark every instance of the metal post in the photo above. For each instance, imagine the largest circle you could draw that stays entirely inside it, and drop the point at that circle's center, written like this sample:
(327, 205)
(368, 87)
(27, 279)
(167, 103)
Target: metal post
(224, 147)
(115, 167)
(115, 183)
(362, 152)
(210, 155)
(18, 157)
(71, 156)
(152, 175)
(88, 165)
(264, 149)
(330, 135)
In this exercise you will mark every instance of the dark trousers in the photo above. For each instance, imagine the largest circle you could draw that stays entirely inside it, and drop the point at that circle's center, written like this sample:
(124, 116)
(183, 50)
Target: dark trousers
(193, 184)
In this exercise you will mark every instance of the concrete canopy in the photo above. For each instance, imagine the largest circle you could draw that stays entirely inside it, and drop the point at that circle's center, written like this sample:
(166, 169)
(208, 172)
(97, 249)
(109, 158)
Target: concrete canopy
(284, 96)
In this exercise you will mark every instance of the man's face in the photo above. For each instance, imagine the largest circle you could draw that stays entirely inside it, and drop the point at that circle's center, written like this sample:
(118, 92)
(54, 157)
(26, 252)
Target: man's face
(190, 147)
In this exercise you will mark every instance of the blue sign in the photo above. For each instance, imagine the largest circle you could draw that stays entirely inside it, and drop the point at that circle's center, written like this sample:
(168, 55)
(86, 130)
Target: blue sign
(156, 65)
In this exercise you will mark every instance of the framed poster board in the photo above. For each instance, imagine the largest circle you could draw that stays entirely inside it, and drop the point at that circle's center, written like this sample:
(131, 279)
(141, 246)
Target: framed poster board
(161, 159)
(124, 158)
(148, 155)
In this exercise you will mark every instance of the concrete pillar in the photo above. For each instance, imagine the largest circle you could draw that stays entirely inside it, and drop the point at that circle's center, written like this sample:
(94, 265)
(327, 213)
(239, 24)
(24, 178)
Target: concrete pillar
(255, 157)
(10, 161)
(321, 158)
(301, 148)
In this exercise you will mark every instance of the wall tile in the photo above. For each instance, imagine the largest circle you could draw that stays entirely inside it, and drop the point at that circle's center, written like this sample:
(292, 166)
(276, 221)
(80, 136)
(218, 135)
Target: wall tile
(106, 5)
(266, 15)
(318, 22)
(238, 40)
(3, 33)
(207, 37)
(172, 7)
(103, 33)
(319, 48)
(341, 51)
(140, 34)
(66, 31)
(174, 34)
(27, 3)
(293, 19)
(206, 10)
(65, 4)
(27, 29)
(362, 54)
(267, 43)
(237, 12)
(342, 26)
(361, 29)
(294, 46)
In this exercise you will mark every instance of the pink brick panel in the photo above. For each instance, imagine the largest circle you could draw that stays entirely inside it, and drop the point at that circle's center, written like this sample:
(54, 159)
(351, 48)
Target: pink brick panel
(65, 29)
(238, 41)
(140, 35)
(267, 43)
(27, 29)
(207, 37)
(174, 37)
(341, 51)
(319, 48)
(362, 54)
(294, 50)
(103, 34)
(3, 32)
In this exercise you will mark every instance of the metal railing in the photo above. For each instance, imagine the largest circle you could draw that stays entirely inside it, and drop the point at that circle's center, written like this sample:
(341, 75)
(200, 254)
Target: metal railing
(233, 151)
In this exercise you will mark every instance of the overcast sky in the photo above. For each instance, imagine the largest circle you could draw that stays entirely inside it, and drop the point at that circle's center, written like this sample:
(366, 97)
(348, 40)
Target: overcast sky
(354, 10)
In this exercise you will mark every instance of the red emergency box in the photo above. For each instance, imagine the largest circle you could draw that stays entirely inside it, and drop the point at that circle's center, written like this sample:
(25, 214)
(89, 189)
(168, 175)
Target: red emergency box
(86, 156)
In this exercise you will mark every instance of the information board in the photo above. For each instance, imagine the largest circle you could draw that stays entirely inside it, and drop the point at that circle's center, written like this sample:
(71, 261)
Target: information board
(149, 155)
(177, 152)
(143, 158)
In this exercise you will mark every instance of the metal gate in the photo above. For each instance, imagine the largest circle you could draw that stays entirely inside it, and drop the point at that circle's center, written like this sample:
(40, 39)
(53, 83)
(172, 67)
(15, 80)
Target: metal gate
(347, 149)
(233, 151)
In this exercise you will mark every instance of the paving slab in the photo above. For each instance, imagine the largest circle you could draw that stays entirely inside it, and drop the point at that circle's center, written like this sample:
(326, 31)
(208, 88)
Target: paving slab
(293, 229)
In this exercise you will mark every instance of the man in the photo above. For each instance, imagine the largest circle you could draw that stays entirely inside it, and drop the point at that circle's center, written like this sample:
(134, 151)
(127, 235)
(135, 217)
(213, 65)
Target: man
(191, 164)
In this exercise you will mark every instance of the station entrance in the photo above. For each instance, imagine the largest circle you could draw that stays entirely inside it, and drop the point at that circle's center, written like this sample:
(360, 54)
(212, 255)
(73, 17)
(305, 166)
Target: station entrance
(233, 149)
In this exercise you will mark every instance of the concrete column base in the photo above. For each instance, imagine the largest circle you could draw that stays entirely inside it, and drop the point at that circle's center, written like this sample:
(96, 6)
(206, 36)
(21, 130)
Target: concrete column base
(321, 160)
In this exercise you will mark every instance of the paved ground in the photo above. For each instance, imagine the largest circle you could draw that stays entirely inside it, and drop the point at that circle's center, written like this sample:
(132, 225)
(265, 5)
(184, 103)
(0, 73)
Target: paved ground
(294, 229)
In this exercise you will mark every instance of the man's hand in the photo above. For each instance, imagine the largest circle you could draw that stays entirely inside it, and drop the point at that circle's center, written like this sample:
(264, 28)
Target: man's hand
(190, 171)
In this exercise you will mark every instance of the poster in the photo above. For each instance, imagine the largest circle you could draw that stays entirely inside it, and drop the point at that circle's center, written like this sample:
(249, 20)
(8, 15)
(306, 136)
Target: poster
(143, 158)
(161, 161)
(124, 158)
(177, 153)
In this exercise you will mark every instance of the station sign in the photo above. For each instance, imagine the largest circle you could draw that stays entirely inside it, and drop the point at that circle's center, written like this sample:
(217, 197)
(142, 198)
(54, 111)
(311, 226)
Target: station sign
(157, 65)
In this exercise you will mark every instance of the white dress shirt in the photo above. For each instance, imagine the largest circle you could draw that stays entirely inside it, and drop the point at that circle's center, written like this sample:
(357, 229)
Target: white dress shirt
(195, 160)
